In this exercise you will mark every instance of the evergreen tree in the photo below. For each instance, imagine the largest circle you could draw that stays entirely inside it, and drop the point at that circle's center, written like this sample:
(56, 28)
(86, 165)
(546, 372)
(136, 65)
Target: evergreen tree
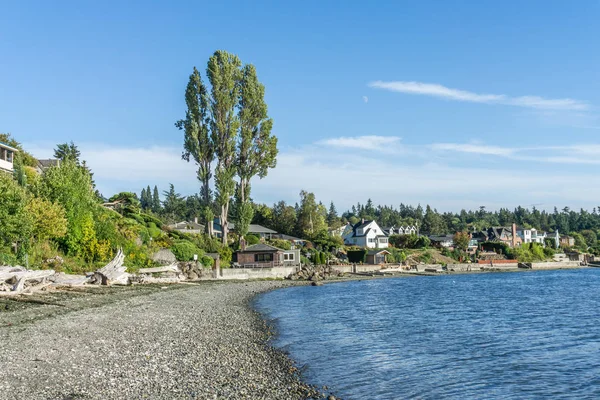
(143, 203)
(156, 206)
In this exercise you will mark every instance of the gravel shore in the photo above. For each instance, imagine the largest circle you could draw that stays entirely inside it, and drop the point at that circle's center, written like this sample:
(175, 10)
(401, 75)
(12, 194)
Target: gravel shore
(194, 342)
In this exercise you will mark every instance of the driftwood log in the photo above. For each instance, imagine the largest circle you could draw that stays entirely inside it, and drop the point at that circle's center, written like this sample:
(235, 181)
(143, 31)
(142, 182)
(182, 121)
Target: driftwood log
(113, 273)
(18, 280)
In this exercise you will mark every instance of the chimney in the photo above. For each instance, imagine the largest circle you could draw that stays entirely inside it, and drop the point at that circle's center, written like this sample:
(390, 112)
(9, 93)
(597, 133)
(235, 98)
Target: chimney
(242, 244)
(514, 235)
(195, 220)
(362, 221)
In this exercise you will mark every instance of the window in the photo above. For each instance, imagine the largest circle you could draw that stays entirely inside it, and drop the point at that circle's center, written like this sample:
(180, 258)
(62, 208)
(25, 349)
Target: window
(288, 257)
(383, 240)
(371, 240)
(263, 257)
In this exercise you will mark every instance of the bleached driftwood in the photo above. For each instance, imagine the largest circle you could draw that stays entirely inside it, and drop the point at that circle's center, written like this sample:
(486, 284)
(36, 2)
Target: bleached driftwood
(22, 280)
(114, 273)
(151, 279)
(62, 279)
(156, 270)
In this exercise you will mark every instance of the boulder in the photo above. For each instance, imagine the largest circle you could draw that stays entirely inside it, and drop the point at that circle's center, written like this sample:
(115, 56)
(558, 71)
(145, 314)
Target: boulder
(164, 257)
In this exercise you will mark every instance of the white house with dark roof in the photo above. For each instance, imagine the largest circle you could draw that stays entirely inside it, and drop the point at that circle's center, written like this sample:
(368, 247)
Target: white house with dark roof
(366, 234)
(7, 157)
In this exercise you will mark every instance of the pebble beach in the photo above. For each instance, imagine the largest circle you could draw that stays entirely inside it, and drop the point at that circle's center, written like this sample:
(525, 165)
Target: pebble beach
(199, 341)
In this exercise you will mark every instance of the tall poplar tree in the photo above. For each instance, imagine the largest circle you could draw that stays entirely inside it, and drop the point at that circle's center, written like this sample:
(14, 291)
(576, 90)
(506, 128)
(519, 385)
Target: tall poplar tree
(198, 143)
(256, 147)
(224, 75)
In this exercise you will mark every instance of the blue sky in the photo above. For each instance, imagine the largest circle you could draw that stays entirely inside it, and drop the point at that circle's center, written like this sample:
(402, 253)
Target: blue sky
(455, 104)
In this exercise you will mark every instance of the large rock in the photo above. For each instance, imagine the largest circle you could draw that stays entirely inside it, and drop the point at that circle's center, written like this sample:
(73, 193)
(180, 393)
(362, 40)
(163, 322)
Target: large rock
(164, 257)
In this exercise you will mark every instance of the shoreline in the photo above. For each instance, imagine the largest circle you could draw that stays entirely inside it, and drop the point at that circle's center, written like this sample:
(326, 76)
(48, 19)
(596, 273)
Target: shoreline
(200, 340)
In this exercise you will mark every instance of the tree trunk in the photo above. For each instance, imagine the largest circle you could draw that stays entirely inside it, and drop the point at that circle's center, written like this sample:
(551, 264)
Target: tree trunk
(224, 222)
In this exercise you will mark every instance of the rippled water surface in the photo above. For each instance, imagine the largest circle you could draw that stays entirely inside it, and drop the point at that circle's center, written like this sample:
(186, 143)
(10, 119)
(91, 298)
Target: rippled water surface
(495, 336)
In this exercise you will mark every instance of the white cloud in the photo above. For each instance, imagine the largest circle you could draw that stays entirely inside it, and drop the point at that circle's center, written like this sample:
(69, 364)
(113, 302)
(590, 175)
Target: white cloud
(436, 90)
(365, 99)
(386, 179)
(373, 142)
(474, 149)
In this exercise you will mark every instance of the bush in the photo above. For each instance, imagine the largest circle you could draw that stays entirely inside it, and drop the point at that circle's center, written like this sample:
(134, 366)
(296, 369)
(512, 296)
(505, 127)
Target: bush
(225, 255)
(184, 251)
(251, 239)
(409, 241)
(207, 261)
(280, 243)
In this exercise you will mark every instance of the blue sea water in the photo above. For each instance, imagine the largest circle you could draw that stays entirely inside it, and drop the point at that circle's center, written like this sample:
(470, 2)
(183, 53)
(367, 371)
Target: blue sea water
(528, 335)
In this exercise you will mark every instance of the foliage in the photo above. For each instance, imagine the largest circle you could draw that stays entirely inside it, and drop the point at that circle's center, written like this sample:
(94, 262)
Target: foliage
(71, 187)
(15, 222)
(281, 244)
(529, 252)
(461, 240)
(26, 158)
(252, 239)
(225, 255)
(129, 203)
(67, 152)
(48, 219)
(184, 251)
(409, 241)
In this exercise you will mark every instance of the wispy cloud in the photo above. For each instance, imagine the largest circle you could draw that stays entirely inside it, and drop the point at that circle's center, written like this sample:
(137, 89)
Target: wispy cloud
(373, 142)
(365, 99)
(436, 90)
(474, 149)
(571, 154)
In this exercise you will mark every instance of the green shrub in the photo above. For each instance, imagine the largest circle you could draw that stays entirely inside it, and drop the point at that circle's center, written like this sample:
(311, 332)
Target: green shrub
(207, 261)
(225, 255)
(184, 251)
(280, 243)
(251, 239)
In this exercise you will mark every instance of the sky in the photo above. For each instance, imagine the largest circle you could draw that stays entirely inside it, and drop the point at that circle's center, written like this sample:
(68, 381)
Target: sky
(454, 104)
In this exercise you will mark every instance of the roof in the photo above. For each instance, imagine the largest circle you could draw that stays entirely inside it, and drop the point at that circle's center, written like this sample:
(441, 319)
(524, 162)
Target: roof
(441, 238)
(51, 162)
(4, 145)
(260, 247)
(288, 237)
(254, 228)
(362, 224)
(377, 251)
(186, 225)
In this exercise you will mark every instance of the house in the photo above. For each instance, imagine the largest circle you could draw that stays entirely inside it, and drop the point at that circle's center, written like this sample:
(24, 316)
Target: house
(7, 156)
(265, 256)
(366, 234)
(253, 229)
(43, 165)
(567, 241)
(293, 239)
(341, 230)
(531, 235)
(442, 241)
(376, 257)
(401, 230)
(500, 234)
(192, 227)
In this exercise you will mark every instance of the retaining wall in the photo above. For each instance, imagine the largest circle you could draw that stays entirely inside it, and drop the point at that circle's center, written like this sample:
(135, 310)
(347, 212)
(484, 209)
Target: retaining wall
(555, 264)
(256, 273)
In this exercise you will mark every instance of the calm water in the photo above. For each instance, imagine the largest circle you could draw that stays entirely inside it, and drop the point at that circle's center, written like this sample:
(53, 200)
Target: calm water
(492, 336)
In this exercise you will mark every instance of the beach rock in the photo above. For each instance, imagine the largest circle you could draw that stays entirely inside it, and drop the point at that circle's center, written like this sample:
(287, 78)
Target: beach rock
(164, 257)
(317, 283)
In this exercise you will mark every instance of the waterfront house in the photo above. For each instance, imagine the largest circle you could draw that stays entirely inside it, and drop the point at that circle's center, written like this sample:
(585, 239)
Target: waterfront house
(531, 235)
(401, 230)
(366, 234)
(192, 227)
(442, 241)
(499, 234)
(376, 257)
(262, 255)
(567, 241)
(7, 156)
